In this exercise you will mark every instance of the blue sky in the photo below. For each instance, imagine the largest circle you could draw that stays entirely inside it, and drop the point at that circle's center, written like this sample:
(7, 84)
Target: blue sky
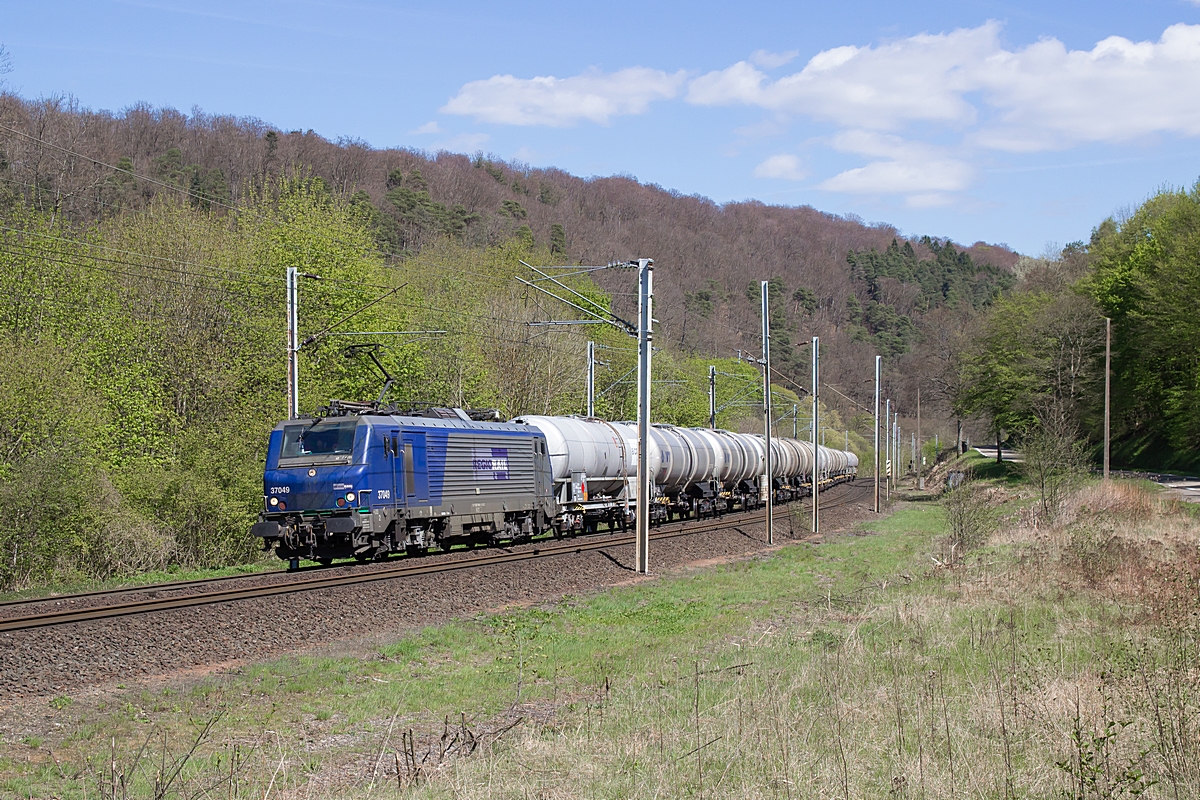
(1017, 122)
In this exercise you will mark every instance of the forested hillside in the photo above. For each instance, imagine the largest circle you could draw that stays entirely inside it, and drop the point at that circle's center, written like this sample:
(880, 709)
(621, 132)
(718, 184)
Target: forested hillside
(1034, 365)
(705, 253)
(141, 302)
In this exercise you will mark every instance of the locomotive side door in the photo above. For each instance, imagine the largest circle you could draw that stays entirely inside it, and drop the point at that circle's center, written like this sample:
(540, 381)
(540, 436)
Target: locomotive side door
(392, 448)
(416, 469)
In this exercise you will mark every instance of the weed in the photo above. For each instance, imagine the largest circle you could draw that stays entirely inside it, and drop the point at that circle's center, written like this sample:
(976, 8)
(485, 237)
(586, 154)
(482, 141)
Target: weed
(969, 517)
(1091, 769)
(824, 640)
(1094, 551)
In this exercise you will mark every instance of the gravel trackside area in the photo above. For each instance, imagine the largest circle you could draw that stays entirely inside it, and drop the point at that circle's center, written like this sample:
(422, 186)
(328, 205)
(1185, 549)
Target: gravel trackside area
(85, 657)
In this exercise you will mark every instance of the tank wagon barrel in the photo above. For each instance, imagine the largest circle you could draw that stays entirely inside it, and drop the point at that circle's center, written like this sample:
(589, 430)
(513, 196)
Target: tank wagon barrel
(377, 483)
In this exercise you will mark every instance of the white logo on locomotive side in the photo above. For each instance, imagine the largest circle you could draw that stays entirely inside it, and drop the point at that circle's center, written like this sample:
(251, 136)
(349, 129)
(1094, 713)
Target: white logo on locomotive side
(490, 463)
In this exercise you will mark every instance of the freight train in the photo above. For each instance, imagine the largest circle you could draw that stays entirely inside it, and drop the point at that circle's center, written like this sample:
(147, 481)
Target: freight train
(366, 485)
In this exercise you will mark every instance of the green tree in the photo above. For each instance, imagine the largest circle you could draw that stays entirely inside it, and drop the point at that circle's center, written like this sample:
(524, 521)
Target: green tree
(511, 208)
(558, 239)
(1147, 279)
(805, 300)
(1001, 378)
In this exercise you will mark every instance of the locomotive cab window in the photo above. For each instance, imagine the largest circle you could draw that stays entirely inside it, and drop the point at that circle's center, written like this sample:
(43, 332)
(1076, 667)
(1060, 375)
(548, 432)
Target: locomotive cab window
(322, 442)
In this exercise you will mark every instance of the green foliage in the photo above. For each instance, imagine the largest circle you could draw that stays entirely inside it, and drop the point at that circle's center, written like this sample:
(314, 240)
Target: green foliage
(703, 301)
(411, 217)
(558, 239)
(511, 208)
(205, 187)
(1147, 279)
(1091, 770)
(490, 168)
(1030, 361)
(896, 284)
(524, 235)
(547, 194)
(136, 397)
(805, 300)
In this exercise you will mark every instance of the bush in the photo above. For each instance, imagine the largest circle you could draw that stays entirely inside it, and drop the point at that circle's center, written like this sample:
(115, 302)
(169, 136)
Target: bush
(969, 517)
(1054, 460)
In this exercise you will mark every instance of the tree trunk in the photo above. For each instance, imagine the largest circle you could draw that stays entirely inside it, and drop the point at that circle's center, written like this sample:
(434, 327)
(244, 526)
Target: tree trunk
(999, 455)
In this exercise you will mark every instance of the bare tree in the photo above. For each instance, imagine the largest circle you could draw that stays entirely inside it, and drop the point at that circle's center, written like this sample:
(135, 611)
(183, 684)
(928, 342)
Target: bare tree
(969, 517)
(1054, 458)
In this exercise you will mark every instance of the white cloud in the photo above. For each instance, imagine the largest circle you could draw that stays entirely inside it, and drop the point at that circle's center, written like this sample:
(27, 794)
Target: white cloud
(559, 102)
(1032, 98)
(1117, 91)
(428, 127)
(769, 60)
(787, 167)
(920, 78)
(921, 171)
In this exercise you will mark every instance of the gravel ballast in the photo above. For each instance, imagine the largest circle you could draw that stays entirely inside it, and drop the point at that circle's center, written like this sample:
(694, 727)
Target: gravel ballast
(90, 656)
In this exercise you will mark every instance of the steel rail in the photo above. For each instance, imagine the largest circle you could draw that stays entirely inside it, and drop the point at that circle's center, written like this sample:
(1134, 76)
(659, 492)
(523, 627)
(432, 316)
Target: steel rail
(405, 569)
(328, 582)
(156, 587)
(200, 582)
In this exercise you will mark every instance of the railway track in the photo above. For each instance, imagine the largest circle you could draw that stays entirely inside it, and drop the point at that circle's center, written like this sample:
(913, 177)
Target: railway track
(316, 577)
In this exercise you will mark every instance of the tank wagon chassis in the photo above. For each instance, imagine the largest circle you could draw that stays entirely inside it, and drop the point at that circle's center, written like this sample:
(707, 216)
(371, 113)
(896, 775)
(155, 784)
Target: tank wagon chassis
(364, 483)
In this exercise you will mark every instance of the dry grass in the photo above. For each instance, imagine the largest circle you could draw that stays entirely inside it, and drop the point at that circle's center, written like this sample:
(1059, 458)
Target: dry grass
(1057, 662)
(1051, 661)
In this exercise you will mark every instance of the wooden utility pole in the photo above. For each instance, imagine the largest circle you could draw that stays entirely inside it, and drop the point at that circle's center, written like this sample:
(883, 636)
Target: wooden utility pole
(1107, 386)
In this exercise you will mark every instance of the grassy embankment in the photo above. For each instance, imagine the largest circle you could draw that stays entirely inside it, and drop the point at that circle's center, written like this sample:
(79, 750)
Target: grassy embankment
(1053, 660)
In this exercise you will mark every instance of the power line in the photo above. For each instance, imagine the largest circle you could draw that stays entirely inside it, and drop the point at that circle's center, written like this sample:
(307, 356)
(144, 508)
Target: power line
(96, 246)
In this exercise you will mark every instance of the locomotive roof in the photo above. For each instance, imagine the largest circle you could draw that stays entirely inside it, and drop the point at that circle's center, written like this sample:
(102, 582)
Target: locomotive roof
(454, 423)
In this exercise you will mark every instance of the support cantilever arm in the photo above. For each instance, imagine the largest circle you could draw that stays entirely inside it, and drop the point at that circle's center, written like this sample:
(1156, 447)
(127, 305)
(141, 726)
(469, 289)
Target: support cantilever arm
(553, 279)
(349, 316)
(619, 324)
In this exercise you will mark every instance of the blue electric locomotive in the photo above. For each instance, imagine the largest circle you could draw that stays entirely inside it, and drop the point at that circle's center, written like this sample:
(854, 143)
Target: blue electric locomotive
(364, 486)
(362, 482)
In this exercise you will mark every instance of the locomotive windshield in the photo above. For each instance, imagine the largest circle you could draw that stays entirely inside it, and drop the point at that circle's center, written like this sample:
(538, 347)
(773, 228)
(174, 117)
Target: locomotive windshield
(318, 443)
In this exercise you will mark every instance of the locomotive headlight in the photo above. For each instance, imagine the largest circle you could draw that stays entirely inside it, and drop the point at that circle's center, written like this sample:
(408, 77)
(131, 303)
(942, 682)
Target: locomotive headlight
(274, 501)
(349, 497)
